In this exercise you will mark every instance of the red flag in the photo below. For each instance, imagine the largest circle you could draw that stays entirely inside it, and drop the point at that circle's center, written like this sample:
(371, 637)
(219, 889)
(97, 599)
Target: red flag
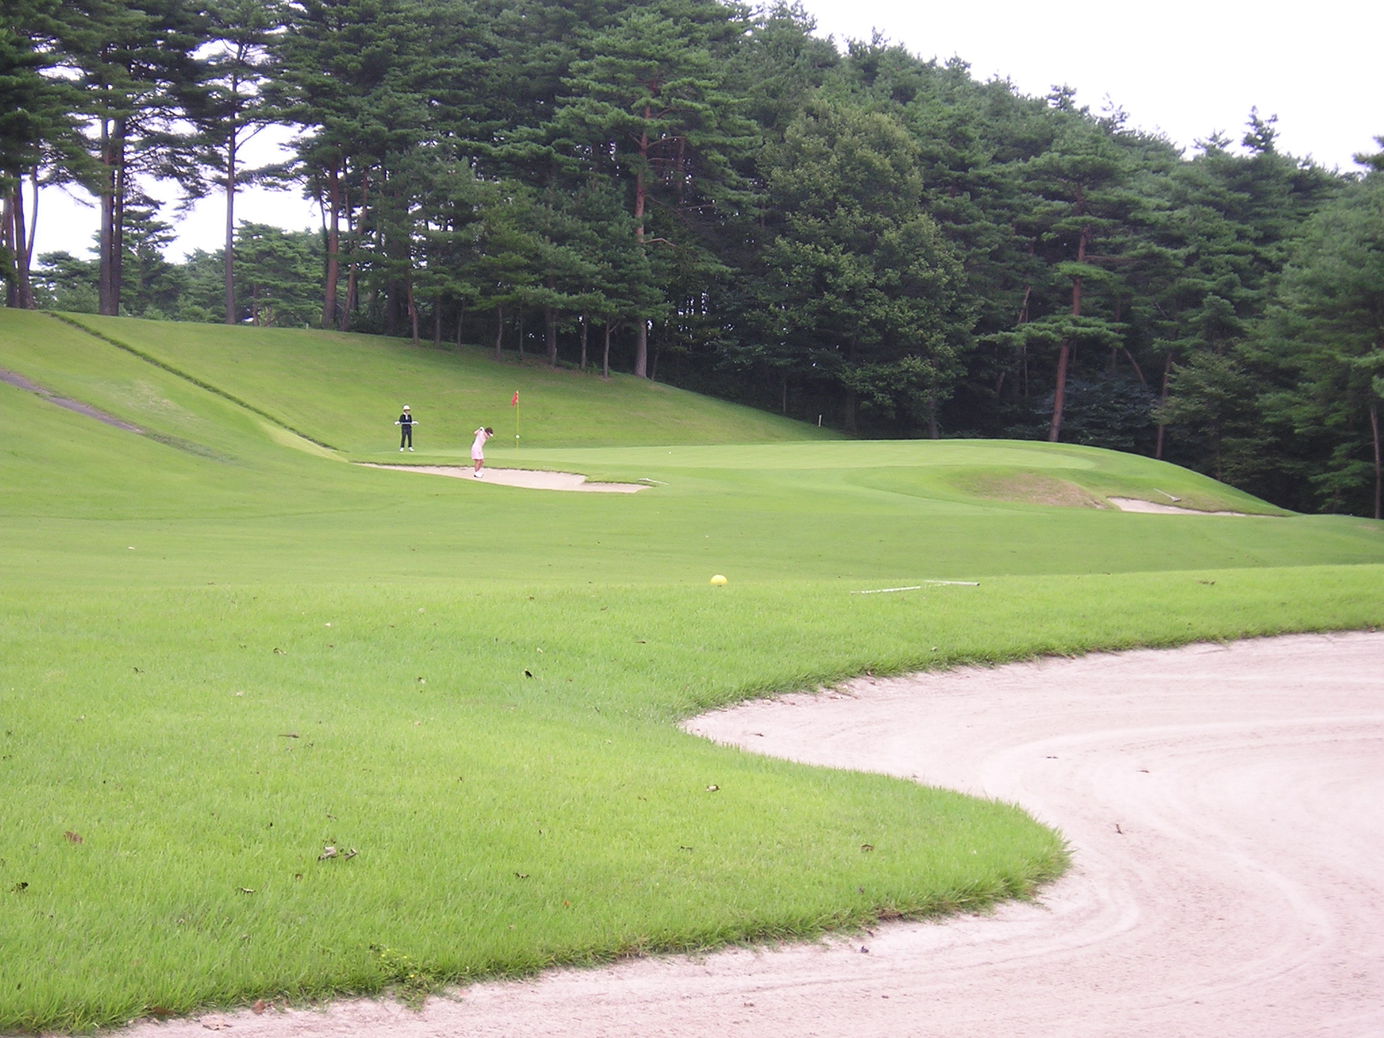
(515, 401)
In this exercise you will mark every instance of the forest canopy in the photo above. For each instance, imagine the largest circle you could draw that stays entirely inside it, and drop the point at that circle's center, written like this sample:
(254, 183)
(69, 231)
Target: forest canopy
(712, 195)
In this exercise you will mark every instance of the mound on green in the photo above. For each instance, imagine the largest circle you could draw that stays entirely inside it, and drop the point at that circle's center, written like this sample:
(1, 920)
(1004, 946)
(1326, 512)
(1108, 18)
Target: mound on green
(276, 724)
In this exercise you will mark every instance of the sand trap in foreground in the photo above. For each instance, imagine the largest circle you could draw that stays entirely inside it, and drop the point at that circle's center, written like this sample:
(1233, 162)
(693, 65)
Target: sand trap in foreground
(1223, 804)
(534, 479)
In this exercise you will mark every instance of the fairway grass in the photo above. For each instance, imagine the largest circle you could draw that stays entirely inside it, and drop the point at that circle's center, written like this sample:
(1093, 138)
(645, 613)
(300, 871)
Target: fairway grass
(273, 724)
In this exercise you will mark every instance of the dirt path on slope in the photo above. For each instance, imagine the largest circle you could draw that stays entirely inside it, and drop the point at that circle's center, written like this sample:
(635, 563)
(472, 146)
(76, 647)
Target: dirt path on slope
(1223, 803)
(20, 382)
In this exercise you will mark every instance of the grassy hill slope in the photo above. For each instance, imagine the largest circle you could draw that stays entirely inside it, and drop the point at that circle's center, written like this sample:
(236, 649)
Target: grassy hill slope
(348, 389)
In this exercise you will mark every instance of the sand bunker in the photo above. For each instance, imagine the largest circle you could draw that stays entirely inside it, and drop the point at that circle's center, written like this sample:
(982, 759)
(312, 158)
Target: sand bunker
(534, 479)
(1134, 504)
(1222, 803)
(538, 479)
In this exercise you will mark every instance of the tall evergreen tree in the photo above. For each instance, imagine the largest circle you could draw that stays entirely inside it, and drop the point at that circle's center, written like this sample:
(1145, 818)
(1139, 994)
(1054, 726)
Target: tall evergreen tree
(1214, 285)
(368, 81)
(345, 67)
(152, 286)
(868, 292)
(22, 90)
(779, 64)
(39, 118)
(133, 64)
(1327, 332)
(450, 216)
(229, 109)
(649, 108)
(1081, 214)
(279, 274)
(1231, 222)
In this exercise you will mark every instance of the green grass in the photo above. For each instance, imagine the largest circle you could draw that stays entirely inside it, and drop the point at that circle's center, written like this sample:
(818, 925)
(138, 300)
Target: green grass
(346, 390)
(227, 648)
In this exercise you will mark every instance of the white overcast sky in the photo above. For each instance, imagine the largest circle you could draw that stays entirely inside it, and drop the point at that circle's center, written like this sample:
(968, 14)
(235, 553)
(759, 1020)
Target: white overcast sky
(1185, 69)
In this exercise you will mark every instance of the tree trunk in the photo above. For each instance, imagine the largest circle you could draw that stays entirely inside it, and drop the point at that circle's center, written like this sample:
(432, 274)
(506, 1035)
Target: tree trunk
(412, 303)
(24, 289)
(641, 199)
(550, 331)
(499, 330)
(1378, 461)
(1059, 391)
(641, 348)
(585, 333)
(7, 242)
(1022, 320)
(118, 230)
(1064, 353)
(353, 266)
(21, 292)
(109, 252)
(1163, 399)
(605, 352)
(333, 216)
(352, 300)
(849, 411)
(229, 255)
(28, 251)
(1138, 371)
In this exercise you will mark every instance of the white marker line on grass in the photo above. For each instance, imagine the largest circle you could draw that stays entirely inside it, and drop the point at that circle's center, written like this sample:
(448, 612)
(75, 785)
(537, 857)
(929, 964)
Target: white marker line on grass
(917, 587)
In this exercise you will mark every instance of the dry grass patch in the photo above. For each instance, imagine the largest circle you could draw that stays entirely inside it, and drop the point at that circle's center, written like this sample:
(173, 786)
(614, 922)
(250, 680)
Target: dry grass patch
(1033, 488)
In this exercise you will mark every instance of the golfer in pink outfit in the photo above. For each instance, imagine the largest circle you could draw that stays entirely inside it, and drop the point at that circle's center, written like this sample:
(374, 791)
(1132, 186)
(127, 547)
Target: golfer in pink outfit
(478, 448)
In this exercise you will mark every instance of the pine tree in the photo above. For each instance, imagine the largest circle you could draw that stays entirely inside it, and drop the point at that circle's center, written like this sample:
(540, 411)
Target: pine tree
(649, 108)
(1327, 333)
(1079, 219)
(868, 293)
(229, 109)
(133, 65)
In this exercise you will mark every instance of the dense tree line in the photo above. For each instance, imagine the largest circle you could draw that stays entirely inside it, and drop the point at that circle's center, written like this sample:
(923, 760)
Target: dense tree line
(711, 195)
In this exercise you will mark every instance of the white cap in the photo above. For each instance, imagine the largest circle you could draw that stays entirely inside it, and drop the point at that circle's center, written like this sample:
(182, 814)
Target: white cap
(406, 407)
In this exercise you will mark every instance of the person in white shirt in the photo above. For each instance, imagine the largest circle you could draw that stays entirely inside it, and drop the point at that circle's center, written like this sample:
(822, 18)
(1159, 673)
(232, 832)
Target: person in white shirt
(478, 449)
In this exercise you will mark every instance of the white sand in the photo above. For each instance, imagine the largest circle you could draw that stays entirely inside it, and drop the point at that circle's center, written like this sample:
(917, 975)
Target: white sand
(1134, 504)
(534, 479)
